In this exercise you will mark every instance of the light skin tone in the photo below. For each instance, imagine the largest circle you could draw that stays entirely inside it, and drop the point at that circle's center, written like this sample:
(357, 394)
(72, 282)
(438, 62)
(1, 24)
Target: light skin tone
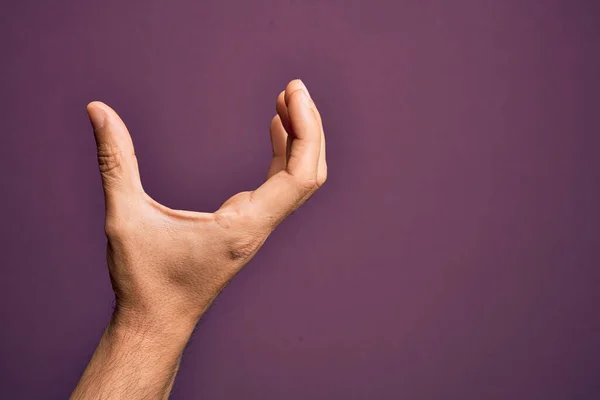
(167, 266)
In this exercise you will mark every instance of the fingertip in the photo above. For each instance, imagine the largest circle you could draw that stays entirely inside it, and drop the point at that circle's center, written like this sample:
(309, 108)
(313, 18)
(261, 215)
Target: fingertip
(280, 103)
(294, 86)
(304, 88)
(98, 104)
(294, 83)
(297, 84)
(97, 114)
(109, 115)
(276, 120)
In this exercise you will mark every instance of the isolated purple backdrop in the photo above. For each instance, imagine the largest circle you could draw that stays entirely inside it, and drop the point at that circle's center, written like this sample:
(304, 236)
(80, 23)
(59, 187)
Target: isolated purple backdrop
(454, 252)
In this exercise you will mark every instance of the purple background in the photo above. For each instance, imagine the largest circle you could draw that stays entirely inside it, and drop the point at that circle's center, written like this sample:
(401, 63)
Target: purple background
(454, 252)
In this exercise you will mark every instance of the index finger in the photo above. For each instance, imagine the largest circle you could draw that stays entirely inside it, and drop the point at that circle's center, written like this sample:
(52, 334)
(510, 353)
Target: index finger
(285, 191)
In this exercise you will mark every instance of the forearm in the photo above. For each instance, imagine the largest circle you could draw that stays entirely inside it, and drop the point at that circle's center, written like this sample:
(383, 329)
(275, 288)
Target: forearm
(134, 360)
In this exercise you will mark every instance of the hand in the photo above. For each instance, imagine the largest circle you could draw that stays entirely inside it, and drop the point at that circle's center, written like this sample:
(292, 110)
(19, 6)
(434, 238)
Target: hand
(166, 265)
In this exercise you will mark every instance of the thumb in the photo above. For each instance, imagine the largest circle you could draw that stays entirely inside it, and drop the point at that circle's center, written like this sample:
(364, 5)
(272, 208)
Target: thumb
(116, 157)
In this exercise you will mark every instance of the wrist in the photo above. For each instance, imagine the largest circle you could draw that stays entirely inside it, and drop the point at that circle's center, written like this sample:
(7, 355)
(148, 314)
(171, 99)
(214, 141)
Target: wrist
(150, 328)
(136, 354)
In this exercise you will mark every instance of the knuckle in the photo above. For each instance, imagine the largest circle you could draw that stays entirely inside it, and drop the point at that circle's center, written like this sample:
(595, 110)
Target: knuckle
(227, 219)
(110, 157)
(117, 228)
(246, 241)
(112, 230)
(308, 184)
(242, 233)
(244, 247)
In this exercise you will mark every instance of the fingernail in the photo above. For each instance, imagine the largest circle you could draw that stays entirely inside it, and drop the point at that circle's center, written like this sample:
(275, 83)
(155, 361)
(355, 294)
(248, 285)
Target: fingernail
(97, 117)
(305, 99)
(305, 89)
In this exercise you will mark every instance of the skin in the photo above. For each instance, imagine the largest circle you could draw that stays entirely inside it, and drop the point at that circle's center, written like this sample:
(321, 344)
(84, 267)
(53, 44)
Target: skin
(167, 266)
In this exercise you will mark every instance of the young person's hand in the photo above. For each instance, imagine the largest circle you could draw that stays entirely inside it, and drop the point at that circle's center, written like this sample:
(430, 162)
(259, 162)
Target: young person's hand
(167, 266)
